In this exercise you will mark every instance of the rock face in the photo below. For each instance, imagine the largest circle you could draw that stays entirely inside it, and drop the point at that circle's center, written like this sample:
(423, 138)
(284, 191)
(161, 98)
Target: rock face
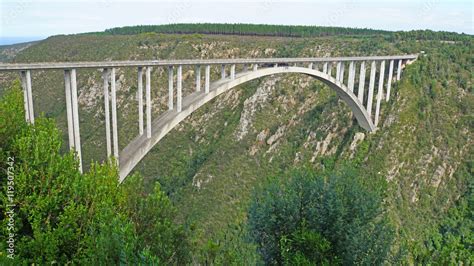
(358, 138)
(252, 104)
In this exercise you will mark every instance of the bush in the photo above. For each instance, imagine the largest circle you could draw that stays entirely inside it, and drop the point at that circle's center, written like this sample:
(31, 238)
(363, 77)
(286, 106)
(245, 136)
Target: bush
(326, 219)
(63, 216)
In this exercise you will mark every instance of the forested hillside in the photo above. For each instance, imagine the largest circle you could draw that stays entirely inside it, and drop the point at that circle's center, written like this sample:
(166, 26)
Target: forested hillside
(222, 167)
(284, 31)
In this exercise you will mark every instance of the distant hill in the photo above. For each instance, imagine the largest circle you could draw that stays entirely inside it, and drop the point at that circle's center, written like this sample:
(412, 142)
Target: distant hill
(8, 52)
(284, 31)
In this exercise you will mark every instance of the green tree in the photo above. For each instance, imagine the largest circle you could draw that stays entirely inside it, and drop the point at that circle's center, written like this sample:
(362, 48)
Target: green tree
(327, 219)
(63, 216)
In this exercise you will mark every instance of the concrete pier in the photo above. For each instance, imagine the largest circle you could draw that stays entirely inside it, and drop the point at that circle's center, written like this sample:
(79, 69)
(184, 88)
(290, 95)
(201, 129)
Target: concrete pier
(105, 78)
(389, 82)
(198, 78)
(399, 69)
(28, 96)
(75, 117)
(351, 77)
(379, 92)
(232, 72)
(371, 87)
(360, 92)
(70, 121)
(170, 88)
(114, 114)
(341, 75)
(148, 101)
(179, 93)
(223, 72)
(140, 100)
(208, 79)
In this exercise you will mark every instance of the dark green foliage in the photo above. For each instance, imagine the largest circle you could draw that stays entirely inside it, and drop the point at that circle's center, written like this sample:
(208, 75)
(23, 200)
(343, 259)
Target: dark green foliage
(330, 218)
(245, 29)
(63, 216)
(231, 247)
(12, 116)
(453, 241)
(286, 31)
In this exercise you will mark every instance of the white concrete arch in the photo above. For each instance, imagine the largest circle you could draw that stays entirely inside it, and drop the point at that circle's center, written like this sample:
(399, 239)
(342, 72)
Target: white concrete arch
(141, 145)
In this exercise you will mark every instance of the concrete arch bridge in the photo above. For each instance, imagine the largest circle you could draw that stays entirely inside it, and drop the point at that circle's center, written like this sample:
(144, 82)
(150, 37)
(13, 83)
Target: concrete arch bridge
(350, 85)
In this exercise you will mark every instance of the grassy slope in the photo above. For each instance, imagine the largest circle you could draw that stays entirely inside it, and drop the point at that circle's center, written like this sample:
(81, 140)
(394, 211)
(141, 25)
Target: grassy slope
(419, 134)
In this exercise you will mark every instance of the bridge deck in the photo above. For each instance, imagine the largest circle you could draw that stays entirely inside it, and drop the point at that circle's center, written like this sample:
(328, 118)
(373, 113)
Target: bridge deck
(110, 64)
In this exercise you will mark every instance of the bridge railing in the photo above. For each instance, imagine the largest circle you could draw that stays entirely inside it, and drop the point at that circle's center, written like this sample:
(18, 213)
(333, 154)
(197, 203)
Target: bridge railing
(334, 67)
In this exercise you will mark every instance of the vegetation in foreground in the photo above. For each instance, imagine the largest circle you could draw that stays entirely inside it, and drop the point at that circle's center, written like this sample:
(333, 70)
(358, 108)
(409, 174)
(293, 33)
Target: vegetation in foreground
(62, 216)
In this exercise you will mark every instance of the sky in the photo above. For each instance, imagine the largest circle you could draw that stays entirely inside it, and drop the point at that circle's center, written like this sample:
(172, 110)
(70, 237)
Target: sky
(25, 20)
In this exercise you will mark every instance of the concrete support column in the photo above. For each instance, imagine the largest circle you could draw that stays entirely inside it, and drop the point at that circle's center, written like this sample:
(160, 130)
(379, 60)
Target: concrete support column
(70, 121)
(310, 65)
(223, 71)
(371, 87)
(325, 68)
(170, 88)
(75, 117)
(105, 77)
(148, 101)
(232, 72)
(379, 92)
(351, 76)
(330, 69)
(390, 77)
(255, 67)
(179, 89)
(246, 67)
(208, 78)
(341, 76)
(140, 100)
(198, 78)
(275, 65)
(360, 92)
(114, 114)
(338, 71)
(27, 96)
(399, 69)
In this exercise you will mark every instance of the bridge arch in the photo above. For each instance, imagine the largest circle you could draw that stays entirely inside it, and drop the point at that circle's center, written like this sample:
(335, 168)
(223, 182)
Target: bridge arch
(141, 145)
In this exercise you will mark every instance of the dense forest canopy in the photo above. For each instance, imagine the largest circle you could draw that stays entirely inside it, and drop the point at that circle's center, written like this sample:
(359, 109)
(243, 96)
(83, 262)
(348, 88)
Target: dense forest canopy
(285, 31)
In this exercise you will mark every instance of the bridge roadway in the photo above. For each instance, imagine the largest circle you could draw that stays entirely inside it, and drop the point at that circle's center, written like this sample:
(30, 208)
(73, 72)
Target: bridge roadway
(193, 62)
